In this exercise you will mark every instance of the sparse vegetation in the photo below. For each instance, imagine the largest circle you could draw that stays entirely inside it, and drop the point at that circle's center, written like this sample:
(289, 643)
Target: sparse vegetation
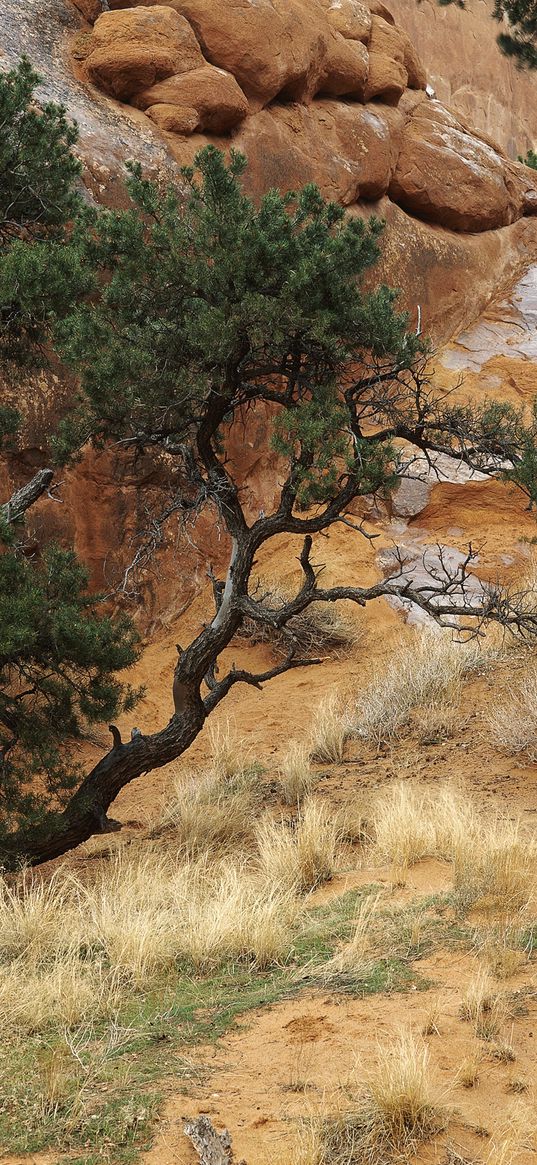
(396, 1112)
(425, 670)
(331, 730)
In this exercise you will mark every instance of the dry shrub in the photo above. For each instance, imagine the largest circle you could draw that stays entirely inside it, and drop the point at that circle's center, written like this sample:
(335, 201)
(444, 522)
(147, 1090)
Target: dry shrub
(331, 730)
(321, 627)
(295, 776)
(207, 811)
(302, 857)
(512, 722)
(397, 1111)
(427, 670)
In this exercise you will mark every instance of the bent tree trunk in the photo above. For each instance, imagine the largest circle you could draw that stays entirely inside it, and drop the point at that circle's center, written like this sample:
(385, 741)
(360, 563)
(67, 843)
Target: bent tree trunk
(86, 813)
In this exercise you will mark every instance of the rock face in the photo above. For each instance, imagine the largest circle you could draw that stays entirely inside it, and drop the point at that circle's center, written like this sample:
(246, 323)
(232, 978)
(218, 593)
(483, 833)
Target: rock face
(469, 73)
(329, 91)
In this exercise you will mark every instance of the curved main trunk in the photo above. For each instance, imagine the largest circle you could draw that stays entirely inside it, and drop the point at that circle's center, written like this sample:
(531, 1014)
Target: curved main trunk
(86, 813)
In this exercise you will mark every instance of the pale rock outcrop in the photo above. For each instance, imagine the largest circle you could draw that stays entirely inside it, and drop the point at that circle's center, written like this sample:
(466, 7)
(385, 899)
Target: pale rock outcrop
(133, 49)
(214, 94)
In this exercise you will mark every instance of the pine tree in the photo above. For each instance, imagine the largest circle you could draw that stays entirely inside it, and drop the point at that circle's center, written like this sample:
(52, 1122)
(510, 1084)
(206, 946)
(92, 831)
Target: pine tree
(204, 305)
(38, 204)
(520, 41)
(58, 652)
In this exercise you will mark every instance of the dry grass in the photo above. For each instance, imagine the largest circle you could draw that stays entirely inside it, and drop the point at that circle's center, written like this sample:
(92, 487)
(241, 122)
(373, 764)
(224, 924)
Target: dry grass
(439, 721)
(209, 812)
(330, 731)
(396, 1112)
(70, 948)
(230, 754)
(494, 865)
(468, 1073)
(516, 1138)
(494, 860)
(65, 992)
(356, 956)
(427, 670)
(302, 857)
(295, 776)
(512, 723)
(402, 826)
(322, 627)
(484, 1007)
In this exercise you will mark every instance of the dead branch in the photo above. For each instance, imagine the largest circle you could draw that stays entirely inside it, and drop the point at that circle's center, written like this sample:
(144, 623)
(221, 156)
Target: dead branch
(21, 500)
(212, 1148)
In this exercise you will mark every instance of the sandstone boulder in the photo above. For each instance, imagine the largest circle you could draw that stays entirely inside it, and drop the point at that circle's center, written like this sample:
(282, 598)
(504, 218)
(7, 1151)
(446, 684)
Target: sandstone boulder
(346, 70)
(388, 77)
(214, 94)
(417, 77)
(132, 49)
(351, 18)
(377, 8)
(178, 119)
(272, 47)
(350, 151)
(448, 175)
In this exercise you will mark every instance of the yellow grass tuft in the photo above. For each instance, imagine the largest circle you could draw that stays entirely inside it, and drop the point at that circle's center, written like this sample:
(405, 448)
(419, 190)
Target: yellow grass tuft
(397, 1111)
(402, 826)
(230, 754)
(356, 956)
(331, 730)
(484, 1007)
(295, 776)
(303, 857)
(209, 812)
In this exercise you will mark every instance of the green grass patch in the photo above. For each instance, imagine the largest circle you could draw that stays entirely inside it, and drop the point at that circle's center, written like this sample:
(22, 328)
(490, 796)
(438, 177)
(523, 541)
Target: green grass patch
(96, 1090)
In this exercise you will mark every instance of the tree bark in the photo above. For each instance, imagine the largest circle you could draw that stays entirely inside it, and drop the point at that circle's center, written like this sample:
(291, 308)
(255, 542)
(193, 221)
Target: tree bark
(26, 496)
(212, 1148)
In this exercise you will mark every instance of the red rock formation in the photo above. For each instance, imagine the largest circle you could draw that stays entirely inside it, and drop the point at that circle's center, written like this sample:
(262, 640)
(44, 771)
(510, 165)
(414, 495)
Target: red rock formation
(397, 142)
